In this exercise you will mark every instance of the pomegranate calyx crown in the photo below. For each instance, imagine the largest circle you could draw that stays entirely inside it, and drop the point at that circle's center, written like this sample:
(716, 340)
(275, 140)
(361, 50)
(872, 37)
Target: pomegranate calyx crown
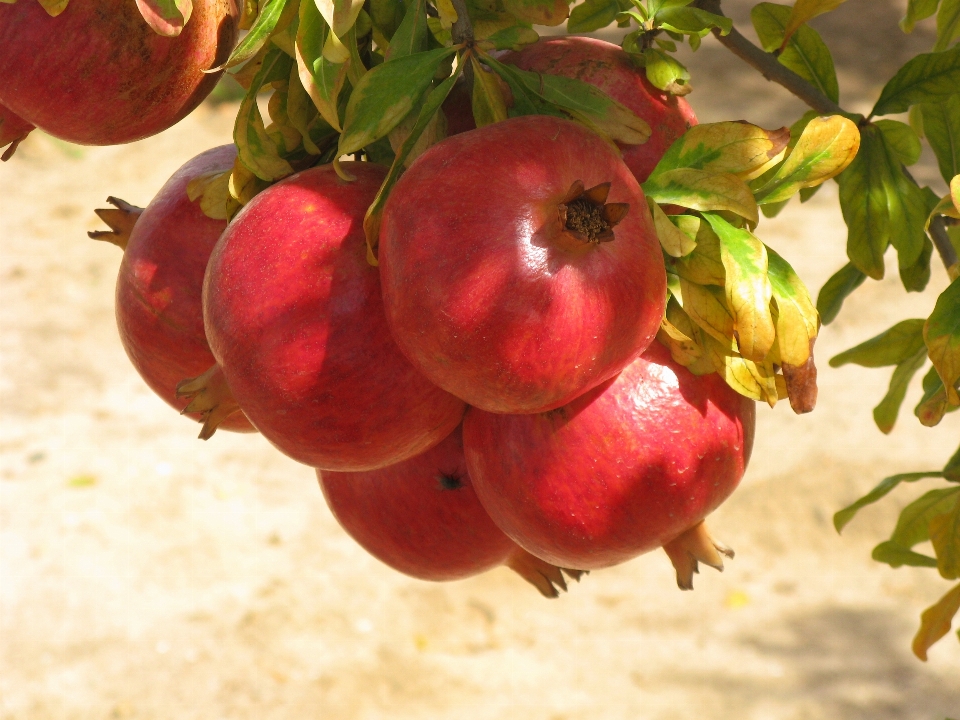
(586, 215)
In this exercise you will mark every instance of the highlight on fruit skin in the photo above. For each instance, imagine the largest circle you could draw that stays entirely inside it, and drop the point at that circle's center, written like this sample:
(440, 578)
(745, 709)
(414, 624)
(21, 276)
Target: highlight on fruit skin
(421, 517)
(159, 310)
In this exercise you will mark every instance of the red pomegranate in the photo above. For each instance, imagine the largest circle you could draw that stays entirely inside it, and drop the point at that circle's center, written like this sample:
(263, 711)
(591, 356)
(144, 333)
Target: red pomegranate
(504, 280)
(13, 129)
(158, 299)
(609, 68)
(97, 74)
(622, 470)
(422, 517)
(295, 319)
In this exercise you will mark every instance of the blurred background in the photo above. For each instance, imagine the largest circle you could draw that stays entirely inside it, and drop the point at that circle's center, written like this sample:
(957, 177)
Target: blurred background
(146, 574)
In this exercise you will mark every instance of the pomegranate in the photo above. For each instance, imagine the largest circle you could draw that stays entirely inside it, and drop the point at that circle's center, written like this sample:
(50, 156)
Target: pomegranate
(97, 74)
(422, 517)
(13, 129)
(158, 298)
(508, 279)
(621, 470)
(295, 319)
(609, 68)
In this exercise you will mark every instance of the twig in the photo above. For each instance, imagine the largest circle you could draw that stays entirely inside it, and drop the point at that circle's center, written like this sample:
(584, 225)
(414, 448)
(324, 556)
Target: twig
(768, 66)
(462, 30)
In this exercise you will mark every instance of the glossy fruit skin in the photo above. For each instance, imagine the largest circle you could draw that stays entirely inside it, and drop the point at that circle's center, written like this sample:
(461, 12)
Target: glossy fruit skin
(160, 283)
(420, 516)
(295, 319)
(609, 68)
(618, 472)
(97, 74)
(480, 289)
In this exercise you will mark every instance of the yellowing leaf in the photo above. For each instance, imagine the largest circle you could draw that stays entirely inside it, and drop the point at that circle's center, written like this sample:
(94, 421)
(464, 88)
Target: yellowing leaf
(935, 622)
(489, 105)
(747, 288)
(703, 190)
(673, 240)
(165, 17)
(707, 307)
(213, 191)
(955, 193)
(756, 381)
(704, 265)
(53, 7)
(738, 148)
(825, 148)
(941, 333)
(797, 320)
(806, 10)
(679, 334)
(945, 536)
(323, 80)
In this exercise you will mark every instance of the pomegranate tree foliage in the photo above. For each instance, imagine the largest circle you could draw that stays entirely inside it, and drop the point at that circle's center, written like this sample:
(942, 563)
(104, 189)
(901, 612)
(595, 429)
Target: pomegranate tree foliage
(368, 77)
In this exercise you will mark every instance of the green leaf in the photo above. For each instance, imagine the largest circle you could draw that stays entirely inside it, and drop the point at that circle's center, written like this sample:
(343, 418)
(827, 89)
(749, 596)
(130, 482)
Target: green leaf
(948, 24)
(933, 405)
(255, 149)
(430, 107)
(738, 148)
(538, 12)
(797, 320)
(901, 139)
(805, 10)
(805, 53)
(666, 72)
(411, 35)
(165, 17)
(881, 205)
(842, 517)
(941, 126)
(689, 20)
(840, 285)
(747, 287)
(913, 527)
(703, 190)
(259, 34)
(929, 77)
(387, 15)
(511, 37)
(891, 347)
(322, 79)
(488, 102)
(897, 556)
(935, 622)
(340, 15)
(885, 414)
(703, 266)
(917, 10)
(945, 536)
(825, 148)
(592, 15)
(385, 95)
(942, 336)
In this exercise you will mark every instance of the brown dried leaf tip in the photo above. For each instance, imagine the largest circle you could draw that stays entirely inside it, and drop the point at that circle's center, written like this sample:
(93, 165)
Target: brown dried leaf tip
(692, 547)
(209, 396)
(121, 218)
(546, 578)
(585, 215)
(801, 381)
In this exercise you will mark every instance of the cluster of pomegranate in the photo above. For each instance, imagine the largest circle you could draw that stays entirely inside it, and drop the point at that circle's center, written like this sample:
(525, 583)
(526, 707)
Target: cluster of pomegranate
(491, 393)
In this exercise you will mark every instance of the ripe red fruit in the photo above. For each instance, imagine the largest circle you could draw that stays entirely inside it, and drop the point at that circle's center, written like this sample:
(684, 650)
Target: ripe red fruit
(622, 470)
(609, 68)
(13, 129)
(97, 74)
(158, 297)
(295, 320)
(504, 281)
(422, 517)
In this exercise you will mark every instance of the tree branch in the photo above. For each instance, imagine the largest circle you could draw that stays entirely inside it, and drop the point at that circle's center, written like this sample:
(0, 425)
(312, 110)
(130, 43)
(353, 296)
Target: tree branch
(768, 66)
(462, 30)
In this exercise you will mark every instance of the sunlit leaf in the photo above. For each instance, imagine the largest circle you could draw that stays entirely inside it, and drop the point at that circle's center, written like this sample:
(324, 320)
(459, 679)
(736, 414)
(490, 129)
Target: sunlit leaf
(259, 34)
(748, 290)
(901, 139)
(683, 338)
(891, 347)
(706, 305)
(673, 240)
(165, 17)
(935, 622)
(255, 149)
(836, 290)
(488, 102)
(592, 15)
(825, 148)
(797, 319)
(703, 265)
(322, 79)
(806, 10)
(885, 414)
(53, 7)
(926, 78)
(738, 148)
(945, 537)
(212, 189)
(805, 52)
(664, 71)
(703, 190)
(757, 381)
(942, 336)
(385, 95)
(842, 517)
(686, 19)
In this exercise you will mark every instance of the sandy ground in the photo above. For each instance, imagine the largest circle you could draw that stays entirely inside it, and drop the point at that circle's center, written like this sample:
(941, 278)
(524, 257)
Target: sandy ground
(145, 574)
